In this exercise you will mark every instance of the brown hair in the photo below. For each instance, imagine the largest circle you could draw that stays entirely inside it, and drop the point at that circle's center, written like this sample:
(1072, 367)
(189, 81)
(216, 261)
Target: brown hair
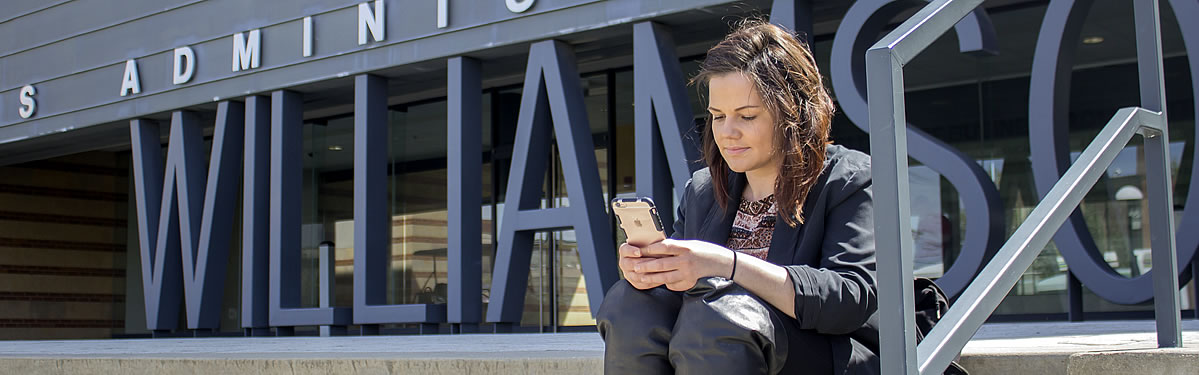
(783, 71)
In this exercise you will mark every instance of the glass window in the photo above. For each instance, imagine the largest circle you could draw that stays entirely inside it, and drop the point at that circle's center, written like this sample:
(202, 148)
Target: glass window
(328, 199)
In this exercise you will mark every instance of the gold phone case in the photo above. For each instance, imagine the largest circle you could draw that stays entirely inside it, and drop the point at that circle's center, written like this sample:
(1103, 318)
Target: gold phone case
(639, 220)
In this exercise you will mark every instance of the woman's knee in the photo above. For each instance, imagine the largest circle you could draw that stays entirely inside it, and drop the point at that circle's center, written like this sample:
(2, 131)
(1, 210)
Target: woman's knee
(720, 317)
(716, 301)
(628, 308)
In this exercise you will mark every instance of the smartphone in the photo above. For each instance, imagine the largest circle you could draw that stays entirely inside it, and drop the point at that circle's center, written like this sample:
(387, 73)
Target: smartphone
(638, 218)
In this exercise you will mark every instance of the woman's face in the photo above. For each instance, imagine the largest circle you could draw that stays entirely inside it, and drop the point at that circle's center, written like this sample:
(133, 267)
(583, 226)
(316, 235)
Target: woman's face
(742, 126)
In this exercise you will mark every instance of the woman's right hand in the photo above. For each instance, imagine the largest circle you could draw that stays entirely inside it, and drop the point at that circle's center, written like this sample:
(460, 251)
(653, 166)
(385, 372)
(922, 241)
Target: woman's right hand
(630, 257)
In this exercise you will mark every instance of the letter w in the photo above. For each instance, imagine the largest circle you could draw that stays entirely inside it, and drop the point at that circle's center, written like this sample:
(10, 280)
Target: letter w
(175, 221)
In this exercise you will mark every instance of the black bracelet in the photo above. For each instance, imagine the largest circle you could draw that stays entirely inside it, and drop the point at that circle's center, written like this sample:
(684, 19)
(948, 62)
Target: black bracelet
(734, 273)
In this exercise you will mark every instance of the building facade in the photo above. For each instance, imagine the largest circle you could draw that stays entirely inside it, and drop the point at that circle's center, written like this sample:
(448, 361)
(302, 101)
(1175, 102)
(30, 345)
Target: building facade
(195, 167)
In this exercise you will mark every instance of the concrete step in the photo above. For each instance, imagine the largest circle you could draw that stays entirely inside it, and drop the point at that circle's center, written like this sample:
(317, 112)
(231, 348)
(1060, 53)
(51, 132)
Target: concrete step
(1011, 348)
(1099, 347)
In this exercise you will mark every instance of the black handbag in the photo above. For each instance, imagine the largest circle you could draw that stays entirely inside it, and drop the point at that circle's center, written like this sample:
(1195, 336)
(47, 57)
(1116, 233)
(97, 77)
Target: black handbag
(931, 304)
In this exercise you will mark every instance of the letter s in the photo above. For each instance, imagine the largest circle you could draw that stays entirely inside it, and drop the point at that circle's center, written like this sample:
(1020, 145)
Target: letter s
(30, 104)
(860, 28)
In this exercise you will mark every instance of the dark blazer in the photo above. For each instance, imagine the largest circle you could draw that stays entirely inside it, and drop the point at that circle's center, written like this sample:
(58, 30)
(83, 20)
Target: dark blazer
(830, 257)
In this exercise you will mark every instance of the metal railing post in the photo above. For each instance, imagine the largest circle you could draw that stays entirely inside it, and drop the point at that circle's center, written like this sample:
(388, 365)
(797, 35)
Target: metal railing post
(892, 232)
(1161, 232)
(889, 171)
(1157, 162)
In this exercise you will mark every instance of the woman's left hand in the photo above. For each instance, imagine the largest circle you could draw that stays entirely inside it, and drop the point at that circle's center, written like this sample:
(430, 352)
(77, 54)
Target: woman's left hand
(682, 263)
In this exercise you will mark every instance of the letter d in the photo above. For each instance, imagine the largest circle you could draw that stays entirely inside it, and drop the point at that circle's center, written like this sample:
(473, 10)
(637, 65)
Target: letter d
(185, 65)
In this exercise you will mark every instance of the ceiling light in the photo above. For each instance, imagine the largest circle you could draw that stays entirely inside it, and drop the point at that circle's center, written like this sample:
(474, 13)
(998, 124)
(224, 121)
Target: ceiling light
(335, 148)
(1092, 40)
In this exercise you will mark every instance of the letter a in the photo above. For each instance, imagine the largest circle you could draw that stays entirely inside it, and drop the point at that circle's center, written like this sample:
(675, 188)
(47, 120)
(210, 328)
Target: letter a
(553, 102)
(132, 83)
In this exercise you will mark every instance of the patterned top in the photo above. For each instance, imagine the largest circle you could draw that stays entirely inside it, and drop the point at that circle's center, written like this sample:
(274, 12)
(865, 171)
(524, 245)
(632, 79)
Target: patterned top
(754, 227)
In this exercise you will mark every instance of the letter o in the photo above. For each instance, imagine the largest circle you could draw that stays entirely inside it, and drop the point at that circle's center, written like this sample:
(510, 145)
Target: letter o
(519, 6)
(1048, 106)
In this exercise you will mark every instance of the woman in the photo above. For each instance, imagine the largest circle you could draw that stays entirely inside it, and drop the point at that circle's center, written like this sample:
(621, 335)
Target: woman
(771, 265)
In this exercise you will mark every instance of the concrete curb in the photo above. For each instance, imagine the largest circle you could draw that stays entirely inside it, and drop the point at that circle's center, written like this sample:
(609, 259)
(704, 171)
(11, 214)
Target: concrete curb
(162, 366)
(1016, 363)
(1183, 361)
(1140, 361)
(1119, 347)
(1144, 361)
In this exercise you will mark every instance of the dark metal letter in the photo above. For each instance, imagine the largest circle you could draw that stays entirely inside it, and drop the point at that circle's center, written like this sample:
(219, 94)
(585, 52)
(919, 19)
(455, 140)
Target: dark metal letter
(795, 15)
(858, 31)
(193, 218)
(255, 219)
(1048, 129)
(286, 184)
(465, 191)
(1187, 242)
(663, 119)
(205, 257)
(162, 273)
(372, 221)
(557, 95)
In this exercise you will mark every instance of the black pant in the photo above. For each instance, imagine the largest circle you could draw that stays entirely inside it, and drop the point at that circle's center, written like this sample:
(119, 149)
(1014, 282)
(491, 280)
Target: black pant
(717, 327)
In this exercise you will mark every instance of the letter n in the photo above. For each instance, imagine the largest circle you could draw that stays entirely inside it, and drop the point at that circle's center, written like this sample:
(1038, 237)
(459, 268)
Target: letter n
(551, 102)
(190, 216)
(663, 119)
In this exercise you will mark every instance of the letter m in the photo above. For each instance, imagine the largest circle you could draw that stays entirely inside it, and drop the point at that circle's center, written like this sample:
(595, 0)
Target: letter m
(245, 50)
(177, 229)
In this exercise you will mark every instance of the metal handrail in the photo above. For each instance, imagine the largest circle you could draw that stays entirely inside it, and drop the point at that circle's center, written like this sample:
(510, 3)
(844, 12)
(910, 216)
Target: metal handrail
(888, 145)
